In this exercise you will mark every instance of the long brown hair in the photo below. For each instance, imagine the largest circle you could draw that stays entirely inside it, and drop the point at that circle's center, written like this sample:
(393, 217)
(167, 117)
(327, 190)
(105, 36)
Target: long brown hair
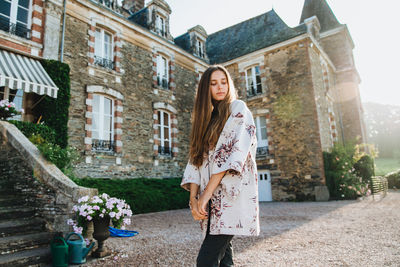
(209, 116)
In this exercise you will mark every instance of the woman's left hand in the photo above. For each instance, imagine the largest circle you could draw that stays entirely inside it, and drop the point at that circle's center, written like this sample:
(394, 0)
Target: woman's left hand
(202, 203)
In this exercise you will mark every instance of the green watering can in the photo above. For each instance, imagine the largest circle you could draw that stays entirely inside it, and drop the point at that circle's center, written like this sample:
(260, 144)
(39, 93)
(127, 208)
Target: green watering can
(77, 249)
(59, 252)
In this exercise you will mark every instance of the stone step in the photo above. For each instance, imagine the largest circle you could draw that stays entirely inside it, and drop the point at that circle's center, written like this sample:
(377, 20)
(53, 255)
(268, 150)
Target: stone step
(16, 243)
(15, 212)
(21, 226)
(11, 201)
(26, 257)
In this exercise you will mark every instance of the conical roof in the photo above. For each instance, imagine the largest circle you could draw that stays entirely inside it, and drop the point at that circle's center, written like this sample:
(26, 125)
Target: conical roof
(321, 9)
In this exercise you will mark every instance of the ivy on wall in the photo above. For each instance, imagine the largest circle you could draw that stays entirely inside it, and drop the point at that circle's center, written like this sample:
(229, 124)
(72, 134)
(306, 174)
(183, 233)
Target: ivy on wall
(54, 112)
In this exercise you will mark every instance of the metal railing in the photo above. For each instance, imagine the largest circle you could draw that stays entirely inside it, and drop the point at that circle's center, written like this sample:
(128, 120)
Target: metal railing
(262, 151)
(104, 62)
(16, 29)
(162, 82)
(103, 145)
(162, 150)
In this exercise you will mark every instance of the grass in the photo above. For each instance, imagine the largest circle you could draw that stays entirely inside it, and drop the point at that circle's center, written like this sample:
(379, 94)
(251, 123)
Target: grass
(386, 165)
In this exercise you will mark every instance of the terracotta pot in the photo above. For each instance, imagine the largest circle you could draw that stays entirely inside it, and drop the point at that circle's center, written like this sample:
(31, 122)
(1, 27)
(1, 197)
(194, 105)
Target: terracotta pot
(101, 233)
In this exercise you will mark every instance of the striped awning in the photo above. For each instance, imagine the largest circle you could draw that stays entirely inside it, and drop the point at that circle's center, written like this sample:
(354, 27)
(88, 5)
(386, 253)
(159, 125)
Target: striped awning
(20, 72)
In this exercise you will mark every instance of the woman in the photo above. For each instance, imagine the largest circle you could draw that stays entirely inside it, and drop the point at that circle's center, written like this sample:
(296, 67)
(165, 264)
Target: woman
(221, 174)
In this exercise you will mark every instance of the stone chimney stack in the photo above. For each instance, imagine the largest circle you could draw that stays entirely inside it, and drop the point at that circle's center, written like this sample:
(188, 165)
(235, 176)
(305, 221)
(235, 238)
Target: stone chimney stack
(132, 6)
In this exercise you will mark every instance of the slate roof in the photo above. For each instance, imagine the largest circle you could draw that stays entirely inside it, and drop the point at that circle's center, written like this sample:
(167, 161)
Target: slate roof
(183, 41)
(249, 36)
(321, 9)
(140, 17)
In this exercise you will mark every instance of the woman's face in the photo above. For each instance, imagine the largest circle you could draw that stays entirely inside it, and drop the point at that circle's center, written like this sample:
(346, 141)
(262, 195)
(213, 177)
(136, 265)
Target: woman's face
(219, 85)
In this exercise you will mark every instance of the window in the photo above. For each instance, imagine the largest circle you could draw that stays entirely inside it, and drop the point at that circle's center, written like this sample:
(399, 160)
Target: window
(200, 48)
(164, 129)
(160, 26)
(103, 49)
(13, 95)
(162, 72)
(262, 139)
(103, 123)
(15, 17)
(253, 81)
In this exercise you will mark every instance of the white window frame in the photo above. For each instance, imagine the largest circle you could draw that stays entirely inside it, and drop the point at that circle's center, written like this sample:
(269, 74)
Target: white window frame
(161, 127)
(163, 70)
(252, 89)
(14, 13)
(100, 118)
(101, 53)
(160, 25)
(261, 142)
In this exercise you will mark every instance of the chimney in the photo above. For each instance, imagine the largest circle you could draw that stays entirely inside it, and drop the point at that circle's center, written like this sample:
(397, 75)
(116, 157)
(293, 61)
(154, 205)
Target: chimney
(133, 6)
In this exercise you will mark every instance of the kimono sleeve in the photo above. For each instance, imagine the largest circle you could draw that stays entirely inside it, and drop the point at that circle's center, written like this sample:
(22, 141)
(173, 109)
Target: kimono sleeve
(234, 148)
(191, 175)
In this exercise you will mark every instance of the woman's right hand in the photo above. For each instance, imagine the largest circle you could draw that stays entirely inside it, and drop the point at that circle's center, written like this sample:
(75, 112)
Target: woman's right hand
(195, 210)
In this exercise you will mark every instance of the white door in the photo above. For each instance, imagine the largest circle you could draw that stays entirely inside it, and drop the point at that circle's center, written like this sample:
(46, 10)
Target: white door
(264, 186)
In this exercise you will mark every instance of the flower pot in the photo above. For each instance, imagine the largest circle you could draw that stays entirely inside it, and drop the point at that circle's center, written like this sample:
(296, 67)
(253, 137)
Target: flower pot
(101, 233)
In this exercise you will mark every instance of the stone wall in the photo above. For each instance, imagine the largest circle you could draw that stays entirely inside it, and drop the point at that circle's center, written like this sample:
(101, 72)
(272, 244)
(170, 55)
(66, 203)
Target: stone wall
(139, 93)
(41, 183)
(293, 123)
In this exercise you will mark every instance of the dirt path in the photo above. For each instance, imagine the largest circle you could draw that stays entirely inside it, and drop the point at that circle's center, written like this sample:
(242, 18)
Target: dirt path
(336, 233)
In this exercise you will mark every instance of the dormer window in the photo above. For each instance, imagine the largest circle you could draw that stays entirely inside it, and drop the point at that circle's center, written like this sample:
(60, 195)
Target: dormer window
(160, 26)
(200, 48)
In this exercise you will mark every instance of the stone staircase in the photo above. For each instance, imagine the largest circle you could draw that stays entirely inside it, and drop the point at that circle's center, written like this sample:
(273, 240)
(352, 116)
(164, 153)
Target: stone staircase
(24, 240)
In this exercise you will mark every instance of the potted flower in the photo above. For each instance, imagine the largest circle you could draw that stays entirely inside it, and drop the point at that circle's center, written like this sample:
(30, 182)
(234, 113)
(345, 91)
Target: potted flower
(100, 209)
(8, 110)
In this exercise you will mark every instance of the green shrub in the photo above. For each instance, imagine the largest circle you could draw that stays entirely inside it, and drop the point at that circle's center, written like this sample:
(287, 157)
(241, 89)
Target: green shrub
(143, 195)
(29, 129)
(393, 179)
(364, 168)
(63, 158)
(341, 176)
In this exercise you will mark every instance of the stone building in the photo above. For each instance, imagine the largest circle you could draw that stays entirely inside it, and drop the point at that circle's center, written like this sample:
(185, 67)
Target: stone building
(133, 86)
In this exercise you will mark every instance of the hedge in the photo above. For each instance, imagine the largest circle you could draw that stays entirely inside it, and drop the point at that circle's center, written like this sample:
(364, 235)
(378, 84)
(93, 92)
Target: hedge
(142, 194)
(393, 179)
(54, 112)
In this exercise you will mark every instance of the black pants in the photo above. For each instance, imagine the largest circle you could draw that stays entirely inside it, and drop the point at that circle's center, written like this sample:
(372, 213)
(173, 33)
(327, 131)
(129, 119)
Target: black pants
(216, 250)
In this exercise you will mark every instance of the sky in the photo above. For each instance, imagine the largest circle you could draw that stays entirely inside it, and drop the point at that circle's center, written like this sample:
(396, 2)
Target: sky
(373, 25)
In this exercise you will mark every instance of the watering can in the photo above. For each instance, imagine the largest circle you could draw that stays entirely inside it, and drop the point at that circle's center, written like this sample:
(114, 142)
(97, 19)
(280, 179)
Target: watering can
(77, 249)
(59, 252)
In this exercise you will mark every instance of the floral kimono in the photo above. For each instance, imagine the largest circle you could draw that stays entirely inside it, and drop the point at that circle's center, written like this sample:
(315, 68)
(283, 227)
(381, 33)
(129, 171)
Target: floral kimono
(234, 203)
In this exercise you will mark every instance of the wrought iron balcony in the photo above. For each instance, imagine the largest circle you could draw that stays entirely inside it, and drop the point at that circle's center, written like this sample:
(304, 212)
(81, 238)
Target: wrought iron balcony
(162, 82)
(104, 62)
(254, 92)
(111, 4)
(262, 151)
(162, 150)
(16, 29)
(103, 145)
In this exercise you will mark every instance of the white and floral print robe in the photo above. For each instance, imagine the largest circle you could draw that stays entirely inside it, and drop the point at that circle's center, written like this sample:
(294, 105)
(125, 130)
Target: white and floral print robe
(234, 203)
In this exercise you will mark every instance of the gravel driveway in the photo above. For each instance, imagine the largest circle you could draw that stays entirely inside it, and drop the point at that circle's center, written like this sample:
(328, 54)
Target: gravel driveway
(336, 233)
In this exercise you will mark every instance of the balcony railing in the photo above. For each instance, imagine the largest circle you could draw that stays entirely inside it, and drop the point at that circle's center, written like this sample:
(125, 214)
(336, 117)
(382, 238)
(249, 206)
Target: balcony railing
(254, 91)
(103, 145)
(104, 62)
(16, 29)
(162, 150)
(162, 82)
(262, 151)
